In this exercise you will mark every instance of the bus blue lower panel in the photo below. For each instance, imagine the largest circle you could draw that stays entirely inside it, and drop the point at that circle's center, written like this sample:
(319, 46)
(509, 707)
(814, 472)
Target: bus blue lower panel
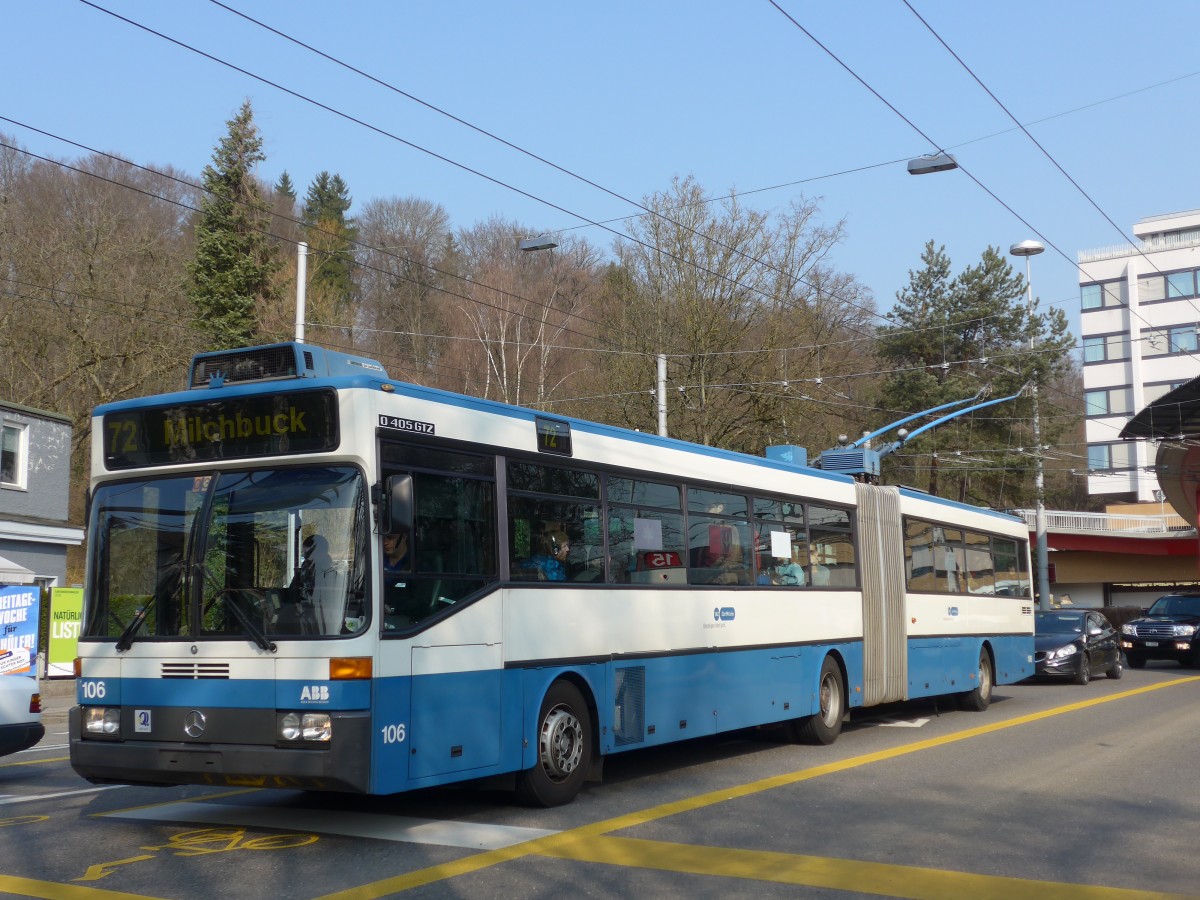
(1013, 654)
(437, 729)
(947, 664)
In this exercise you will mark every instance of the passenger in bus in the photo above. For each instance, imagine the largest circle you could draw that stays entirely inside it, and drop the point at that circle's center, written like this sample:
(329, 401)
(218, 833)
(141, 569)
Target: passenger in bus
(305, 579)
(790, 573)
(310, 589)
(395, 552)
(820, 574)
(550, 555)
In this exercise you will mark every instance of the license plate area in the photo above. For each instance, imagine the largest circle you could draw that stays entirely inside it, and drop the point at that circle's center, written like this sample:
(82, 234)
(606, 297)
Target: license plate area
(189, 760)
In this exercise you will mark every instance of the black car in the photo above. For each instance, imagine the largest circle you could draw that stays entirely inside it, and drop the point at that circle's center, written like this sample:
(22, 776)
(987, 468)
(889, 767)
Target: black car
(1169, 630)
(1075, 643)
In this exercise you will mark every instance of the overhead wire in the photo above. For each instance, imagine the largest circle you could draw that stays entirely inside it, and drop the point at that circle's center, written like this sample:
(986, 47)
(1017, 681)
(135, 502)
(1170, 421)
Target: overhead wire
(418, 100)
(1032, 139)
(432, 107)
(965, 170)
(462, 166)
(645, 210)
(1074, 263)
(365, 124)
(283, 238)
(363, 246)
(1134, 245)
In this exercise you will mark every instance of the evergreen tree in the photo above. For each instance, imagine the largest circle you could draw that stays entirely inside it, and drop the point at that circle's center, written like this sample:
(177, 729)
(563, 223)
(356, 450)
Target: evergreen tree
(947, 339)
(284, 186)
(331, 237)
(235, 262)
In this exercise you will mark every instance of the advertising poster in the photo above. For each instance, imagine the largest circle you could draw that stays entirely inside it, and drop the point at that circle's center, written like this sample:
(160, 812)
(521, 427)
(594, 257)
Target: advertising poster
(18, 628)
(66, 614)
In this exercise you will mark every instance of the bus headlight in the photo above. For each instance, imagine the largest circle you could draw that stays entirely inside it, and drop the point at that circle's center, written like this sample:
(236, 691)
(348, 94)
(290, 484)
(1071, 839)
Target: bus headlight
(289, 726)
(316, 727)
(104, 720)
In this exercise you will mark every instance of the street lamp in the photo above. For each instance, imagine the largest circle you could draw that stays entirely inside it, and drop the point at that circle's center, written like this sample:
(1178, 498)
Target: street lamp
(1028, 249)
(542, 242)
(933, 162)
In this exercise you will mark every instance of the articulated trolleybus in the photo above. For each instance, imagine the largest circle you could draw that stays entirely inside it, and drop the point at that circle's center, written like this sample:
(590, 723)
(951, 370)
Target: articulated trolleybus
(552, 591)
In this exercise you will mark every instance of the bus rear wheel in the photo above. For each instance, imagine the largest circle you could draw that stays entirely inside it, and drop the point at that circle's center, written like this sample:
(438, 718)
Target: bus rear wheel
(980, 698)
(564, 749)
(825, 725)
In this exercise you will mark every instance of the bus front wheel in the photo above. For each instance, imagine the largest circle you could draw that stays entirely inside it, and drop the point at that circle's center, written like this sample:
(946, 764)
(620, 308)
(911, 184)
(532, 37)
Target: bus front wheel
(564, 749)
(825, 725)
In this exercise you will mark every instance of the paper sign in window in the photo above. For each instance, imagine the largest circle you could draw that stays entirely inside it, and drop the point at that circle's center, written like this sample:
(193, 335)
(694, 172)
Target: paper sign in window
(781, 545)
(647, 534)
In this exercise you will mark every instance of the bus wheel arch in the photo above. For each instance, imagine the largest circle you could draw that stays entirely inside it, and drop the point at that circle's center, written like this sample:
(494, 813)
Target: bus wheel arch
(824, 726)
(980, 697)
(565, 746)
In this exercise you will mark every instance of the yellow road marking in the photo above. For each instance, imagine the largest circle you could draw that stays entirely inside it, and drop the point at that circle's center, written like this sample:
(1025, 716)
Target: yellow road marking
(553, 846)
(49, 890)
(824, 872)
(130, 809)
(34, 762)
(104, 869)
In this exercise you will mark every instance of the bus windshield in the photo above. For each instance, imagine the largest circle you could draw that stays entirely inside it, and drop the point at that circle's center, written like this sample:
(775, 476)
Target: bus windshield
(230, 556)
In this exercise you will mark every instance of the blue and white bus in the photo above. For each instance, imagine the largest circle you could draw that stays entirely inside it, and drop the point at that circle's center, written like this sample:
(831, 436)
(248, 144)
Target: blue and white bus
(556, 591)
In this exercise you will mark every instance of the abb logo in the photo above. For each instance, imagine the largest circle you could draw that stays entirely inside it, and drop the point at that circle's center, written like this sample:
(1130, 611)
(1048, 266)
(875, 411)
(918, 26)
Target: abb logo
(314, 693)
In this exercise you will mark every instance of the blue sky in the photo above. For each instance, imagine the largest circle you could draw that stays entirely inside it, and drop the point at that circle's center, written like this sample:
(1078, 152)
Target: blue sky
(630, 94)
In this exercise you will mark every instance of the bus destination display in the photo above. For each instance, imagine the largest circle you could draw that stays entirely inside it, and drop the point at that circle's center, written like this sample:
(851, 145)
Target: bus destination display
(260, 425)
(553, 436)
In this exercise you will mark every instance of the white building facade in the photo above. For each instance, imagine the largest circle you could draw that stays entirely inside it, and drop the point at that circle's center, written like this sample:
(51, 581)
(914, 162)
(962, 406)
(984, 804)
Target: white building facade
(1139, 320)
(35, 481)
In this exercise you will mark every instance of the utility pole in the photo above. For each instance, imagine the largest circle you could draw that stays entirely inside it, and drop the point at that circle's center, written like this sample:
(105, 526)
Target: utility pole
(1028, 249)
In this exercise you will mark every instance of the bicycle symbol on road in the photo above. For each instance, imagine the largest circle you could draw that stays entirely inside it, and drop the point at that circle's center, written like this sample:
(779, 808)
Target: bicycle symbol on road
(203, 842)
(217, 840)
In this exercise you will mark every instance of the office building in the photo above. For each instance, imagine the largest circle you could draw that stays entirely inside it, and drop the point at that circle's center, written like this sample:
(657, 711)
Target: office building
(1140, 312)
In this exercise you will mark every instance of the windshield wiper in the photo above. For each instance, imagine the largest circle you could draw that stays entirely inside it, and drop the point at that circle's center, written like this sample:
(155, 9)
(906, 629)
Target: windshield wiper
(125, 641)
(248, 623)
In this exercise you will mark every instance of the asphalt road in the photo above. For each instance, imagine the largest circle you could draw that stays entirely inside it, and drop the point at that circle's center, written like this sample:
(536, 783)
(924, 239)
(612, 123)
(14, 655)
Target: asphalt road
(1056, 791)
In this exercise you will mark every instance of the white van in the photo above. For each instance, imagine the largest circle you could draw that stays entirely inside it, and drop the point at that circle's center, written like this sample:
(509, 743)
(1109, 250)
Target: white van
(20, 713)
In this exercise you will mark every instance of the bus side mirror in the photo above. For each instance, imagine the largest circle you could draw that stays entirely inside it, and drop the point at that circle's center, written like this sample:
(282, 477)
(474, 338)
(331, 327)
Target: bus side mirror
(398, 504)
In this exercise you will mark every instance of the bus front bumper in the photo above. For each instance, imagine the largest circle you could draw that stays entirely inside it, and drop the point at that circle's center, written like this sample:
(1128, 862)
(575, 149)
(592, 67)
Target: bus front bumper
(342, 766)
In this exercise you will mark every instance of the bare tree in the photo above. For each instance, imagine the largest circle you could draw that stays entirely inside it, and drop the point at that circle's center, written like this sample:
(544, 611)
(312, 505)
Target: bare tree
(742, 303)
(522, 309)
(92, 306)
(405, 261)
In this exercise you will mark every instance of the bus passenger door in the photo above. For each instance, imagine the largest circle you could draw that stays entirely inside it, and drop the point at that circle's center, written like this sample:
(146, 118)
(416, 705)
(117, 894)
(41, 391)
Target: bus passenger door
(456, 710)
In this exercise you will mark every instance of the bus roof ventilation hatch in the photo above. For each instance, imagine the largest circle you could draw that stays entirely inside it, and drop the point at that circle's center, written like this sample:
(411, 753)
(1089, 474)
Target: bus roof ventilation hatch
(275, 362)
